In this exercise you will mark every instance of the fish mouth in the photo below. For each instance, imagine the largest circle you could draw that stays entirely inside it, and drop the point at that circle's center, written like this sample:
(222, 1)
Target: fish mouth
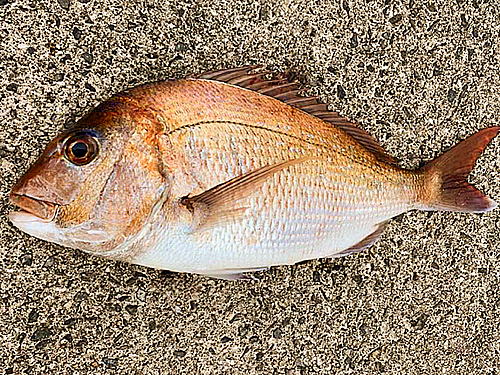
(32, 208)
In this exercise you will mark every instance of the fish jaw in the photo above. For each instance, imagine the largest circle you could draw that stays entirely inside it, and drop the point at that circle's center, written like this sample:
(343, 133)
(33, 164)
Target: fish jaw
(36, 226)
(36, 217)
(43, 210)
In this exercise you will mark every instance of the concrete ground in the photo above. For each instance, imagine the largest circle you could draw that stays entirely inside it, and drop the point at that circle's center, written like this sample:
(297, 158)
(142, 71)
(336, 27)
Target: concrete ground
(420, 76)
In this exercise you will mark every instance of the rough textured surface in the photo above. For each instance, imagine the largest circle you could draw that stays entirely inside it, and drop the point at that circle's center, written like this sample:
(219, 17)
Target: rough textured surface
(420, 76)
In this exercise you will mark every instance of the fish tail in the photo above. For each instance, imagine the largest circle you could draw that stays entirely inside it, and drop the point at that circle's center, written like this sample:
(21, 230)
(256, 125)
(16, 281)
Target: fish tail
(445, 184)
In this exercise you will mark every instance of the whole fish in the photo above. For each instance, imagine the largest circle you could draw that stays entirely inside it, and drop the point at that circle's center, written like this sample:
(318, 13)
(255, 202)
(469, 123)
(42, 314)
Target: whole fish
(228, 173)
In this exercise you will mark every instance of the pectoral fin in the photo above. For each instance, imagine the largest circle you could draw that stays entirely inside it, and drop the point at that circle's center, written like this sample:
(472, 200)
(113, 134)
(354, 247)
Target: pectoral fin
(220, 203)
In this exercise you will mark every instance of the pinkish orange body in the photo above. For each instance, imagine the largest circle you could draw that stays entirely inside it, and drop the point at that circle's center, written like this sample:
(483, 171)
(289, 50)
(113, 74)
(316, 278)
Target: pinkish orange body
(204, 176)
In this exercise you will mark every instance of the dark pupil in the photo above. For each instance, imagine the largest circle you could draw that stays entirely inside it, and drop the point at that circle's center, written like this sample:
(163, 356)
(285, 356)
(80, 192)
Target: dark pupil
(79, 150)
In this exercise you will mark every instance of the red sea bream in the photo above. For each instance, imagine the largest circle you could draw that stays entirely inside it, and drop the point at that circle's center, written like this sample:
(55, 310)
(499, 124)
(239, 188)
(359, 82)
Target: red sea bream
(225, 174)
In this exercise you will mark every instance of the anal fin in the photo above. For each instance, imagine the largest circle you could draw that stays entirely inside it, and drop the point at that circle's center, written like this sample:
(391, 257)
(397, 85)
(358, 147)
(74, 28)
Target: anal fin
(234, 274)
(365, 243)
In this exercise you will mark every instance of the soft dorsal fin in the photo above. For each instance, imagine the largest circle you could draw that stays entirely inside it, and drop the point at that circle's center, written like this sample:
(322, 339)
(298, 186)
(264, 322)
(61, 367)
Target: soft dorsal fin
(282, 88)
(218, 204)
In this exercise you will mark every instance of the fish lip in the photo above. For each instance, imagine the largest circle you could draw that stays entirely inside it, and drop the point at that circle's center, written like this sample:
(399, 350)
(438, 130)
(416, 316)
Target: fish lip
(39, 209)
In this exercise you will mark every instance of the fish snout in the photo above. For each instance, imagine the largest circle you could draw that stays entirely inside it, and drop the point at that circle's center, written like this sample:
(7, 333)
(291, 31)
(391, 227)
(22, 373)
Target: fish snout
(40, 191)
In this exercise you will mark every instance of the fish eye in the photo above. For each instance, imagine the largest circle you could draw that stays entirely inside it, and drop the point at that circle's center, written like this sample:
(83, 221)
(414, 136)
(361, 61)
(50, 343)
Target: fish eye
(81, 148)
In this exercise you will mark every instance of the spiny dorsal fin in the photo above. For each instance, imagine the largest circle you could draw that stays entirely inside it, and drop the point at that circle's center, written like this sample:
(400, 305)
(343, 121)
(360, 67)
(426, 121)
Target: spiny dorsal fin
(365, 242)
(218, 204)
(282, 88)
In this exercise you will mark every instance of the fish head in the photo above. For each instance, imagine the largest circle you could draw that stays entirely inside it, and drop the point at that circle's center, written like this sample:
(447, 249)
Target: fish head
(94, 186)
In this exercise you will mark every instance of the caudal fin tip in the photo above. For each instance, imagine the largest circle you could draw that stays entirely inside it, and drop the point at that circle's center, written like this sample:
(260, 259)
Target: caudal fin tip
(474, 201)
(488, 204)
(490, 133)
(496, 129)
(492, 206)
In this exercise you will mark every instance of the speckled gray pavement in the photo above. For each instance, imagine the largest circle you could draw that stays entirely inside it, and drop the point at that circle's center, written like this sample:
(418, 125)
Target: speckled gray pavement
(419, 76)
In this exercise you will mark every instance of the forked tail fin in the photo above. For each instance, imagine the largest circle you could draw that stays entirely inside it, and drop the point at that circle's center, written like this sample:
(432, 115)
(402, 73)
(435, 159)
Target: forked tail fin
(445, 178)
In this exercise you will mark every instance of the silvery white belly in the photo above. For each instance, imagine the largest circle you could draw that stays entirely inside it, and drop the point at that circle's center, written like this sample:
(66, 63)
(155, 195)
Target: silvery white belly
(299, 224)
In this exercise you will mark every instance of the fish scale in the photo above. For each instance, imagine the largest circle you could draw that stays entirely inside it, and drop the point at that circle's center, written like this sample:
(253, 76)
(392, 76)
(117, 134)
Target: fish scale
(291, 196)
